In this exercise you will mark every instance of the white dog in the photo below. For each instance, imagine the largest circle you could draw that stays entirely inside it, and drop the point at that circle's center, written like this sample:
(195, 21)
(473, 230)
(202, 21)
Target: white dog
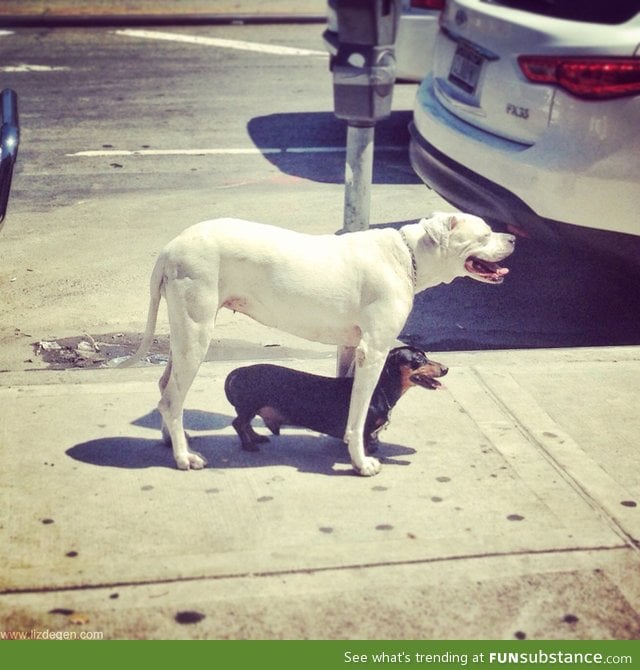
(354, 290)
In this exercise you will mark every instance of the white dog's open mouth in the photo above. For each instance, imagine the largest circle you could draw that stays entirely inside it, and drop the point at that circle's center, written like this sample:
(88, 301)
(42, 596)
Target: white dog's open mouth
(485, 270)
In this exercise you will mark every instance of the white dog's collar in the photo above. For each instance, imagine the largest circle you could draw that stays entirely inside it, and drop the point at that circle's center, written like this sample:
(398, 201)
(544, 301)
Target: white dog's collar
(414, 265)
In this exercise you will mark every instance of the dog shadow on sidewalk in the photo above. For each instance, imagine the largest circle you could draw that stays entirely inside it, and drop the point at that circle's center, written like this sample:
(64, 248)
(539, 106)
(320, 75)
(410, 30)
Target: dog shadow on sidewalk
(307, 452)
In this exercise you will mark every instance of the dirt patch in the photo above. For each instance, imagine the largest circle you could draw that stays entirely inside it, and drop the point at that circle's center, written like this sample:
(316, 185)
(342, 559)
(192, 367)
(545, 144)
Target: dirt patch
(97, 351)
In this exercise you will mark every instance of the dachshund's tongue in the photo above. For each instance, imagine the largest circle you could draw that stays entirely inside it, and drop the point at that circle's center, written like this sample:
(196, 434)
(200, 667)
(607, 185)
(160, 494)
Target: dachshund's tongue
(425, 381)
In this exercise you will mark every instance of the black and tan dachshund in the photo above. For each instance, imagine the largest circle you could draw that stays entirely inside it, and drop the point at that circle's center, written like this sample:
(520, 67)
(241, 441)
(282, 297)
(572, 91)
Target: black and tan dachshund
(286, 397)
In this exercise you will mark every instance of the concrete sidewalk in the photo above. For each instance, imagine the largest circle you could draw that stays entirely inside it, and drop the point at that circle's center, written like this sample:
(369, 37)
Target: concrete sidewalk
(506, 508)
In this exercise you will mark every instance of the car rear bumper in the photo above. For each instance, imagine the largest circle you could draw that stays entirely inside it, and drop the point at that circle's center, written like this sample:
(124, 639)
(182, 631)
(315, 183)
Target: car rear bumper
(467, 190)
(470, 192)
(556, 178)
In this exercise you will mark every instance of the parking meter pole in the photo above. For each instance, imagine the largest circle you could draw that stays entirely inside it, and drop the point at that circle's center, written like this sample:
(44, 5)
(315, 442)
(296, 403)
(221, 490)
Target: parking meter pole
(363, 68)
(357, 178)
(357, 202)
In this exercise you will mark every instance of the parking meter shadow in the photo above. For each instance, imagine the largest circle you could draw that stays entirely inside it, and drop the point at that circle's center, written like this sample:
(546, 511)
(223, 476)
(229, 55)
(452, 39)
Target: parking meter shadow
(312, 145)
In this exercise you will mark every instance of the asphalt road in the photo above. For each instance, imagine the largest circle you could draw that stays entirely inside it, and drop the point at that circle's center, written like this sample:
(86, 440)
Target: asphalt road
(130, 135)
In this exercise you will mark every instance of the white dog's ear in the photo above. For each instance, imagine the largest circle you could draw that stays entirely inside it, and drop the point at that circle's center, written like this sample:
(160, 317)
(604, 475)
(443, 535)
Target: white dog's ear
(439, 226)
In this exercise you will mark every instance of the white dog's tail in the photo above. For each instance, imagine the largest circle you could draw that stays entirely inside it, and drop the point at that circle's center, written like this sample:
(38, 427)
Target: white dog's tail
(155, 293)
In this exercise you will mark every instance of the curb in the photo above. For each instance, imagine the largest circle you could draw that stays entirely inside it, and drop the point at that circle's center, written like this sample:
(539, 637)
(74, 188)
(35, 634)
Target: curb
(45, 13)
(98, 20)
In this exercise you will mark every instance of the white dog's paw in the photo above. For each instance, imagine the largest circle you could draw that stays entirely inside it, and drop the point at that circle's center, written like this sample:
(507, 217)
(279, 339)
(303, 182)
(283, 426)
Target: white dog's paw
(369, 467)
(192, 460)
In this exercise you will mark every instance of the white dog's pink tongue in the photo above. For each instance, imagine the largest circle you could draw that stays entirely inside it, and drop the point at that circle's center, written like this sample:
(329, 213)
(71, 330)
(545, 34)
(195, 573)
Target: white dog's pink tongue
(484, 268)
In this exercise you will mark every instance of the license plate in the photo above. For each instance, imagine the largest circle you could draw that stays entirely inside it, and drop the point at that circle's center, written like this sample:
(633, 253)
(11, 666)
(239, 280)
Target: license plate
(465, 69)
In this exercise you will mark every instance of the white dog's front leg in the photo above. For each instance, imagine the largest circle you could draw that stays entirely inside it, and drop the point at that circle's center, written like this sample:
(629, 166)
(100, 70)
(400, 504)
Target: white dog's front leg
(369, 364)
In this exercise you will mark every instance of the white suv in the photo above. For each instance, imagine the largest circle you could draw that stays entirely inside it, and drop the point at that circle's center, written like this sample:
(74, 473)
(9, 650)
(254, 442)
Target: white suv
(530, 117)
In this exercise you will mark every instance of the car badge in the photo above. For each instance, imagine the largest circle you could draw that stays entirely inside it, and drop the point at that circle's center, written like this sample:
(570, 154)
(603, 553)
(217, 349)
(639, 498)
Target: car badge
(460, 18)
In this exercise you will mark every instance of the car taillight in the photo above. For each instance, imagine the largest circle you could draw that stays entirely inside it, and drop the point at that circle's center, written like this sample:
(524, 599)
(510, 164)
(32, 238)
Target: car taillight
(595, 78)
(427, 4)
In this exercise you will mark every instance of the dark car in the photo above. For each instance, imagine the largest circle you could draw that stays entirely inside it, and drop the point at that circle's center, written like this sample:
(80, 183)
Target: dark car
(9, 141)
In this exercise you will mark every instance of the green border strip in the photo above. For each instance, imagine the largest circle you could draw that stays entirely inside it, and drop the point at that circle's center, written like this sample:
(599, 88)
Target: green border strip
(328, 655)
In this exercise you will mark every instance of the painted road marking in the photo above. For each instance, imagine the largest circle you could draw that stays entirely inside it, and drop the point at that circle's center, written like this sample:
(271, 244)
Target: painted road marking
(25, 67)
(222, 43)
(170, 152)
(254, 151)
